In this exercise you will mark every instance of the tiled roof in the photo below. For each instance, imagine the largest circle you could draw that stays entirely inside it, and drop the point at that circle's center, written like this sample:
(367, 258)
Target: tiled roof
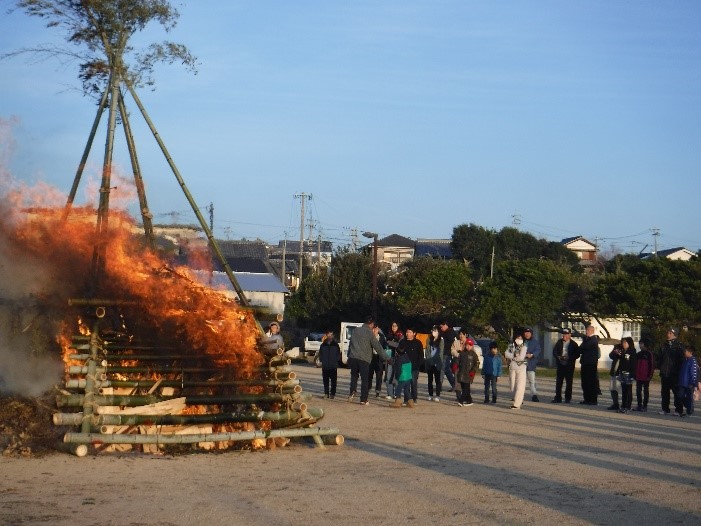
(243, 249)
(433, 247)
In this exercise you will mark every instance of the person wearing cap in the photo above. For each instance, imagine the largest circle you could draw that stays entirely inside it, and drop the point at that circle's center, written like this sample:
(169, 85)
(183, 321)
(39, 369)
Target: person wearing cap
(532, 354)
(468, 365)
(516, 354)
(589, 354)
(565, 352)
(669, 362)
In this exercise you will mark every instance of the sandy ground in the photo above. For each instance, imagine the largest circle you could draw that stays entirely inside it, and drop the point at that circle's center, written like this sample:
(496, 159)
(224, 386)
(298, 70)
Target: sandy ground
(435, 464)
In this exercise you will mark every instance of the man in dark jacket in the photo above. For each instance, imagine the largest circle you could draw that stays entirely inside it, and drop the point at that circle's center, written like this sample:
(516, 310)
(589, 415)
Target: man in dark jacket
(415, 350)
(669, 362)
(565, 352)
(589, 355)
(448, 334)
(360, 348)
(330, 355)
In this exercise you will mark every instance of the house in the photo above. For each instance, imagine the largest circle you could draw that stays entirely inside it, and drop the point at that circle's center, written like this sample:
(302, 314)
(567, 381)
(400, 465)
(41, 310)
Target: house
(393, 250)
(609, 330)
(675, 254)
(585, 250)
(263, 291)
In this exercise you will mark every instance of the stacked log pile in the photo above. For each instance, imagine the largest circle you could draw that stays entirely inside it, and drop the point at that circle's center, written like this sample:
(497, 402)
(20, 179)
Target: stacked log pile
(122, 393)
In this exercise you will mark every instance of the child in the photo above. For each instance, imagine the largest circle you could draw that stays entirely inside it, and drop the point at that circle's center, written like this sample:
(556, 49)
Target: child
(468, 364)
(491, 371)
(330, 355)
(688, 380)
(402, 372)
(644, 369)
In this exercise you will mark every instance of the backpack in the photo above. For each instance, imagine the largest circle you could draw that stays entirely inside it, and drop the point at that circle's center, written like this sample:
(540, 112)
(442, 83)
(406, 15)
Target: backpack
(643, 367)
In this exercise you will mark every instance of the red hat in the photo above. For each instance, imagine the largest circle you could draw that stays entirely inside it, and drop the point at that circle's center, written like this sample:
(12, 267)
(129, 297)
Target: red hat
(470, 341)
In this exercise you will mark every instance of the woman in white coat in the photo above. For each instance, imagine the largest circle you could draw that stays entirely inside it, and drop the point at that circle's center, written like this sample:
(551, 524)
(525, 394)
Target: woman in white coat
(516, 354)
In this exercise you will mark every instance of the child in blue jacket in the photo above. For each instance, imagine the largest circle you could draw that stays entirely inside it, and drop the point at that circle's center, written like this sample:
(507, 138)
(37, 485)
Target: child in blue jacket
(491, 371)
(688, 380)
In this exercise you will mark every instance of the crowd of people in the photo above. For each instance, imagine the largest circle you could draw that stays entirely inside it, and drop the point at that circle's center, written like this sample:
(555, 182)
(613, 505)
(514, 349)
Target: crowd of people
(396, 358)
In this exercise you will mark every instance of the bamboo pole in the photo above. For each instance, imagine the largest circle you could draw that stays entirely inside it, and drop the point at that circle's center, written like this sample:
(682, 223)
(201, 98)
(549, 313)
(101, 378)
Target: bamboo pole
(88, 400)
(86, 153)
(78, 400)
(233, 436)
(79, 383)
(118, 419)
(210, 236)
(138, 179)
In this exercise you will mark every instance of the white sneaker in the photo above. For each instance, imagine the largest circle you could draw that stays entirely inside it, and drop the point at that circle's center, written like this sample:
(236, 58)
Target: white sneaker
(467, 405)
(430, 398)
(388, 397)
(436, 399)
(460, 404)
(663, 413)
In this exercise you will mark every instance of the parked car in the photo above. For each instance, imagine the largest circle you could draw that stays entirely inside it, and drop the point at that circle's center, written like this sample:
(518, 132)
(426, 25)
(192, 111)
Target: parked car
(310, 346)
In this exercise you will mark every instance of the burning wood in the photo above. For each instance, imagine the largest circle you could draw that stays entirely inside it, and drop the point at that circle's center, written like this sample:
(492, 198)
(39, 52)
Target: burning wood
(165, 360)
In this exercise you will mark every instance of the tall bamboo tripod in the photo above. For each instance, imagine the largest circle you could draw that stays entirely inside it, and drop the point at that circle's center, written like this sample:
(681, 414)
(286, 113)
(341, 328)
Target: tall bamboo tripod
(113, 98)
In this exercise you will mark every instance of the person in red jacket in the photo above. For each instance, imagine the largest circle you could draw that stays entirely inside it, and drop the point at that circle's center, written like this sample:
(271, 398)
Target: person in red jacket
(644, 369)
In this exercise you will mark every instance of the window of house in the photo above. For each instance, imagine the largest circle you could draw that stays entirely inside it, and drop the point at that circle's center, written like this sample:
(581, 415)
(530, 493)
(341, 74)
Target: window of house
(574, 326)
(632, 327)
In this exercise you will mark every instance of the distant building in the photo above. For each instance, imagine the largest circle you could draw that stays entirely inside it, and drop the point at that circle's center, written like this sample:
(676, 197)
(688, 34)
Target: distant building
(675, 254)
(586, 250)
(393, 250)
(437, 248)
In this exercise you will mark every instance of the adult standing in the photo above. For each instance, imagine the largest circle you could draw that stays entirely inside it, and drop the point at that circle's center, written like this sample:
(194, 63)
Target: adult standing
(360, 348)
(565, 352)
(434, 362)
(532, 354)
(330, 355)
(393, 337)
(669, 362)
(415, 351)
(448, 334)
(626, 373)
(589, 355)
(516, 353)
(377, 363)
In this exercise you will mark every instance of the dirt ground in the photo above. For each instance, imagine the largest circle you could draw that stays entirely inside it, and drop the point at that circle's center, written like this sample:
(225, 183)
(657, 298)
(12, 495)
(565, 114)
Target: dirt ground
(435, 464)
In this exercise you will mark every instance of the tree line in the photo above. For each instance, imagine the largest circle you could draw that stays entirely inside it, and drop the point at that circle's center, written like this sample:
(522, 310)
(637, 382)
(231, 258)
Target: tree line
(527, 281)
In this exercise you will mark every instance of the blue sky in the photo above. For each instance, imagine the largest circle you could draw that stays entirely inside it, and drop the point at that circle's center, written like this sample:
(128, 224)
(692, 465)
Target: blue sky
(408, 117)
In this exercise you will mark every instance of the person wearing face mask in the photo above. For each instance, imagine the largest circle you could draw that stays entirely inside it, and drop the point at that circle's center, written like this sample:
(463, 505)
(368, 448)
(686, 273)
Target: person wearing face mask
(434, 363)
(516, 354)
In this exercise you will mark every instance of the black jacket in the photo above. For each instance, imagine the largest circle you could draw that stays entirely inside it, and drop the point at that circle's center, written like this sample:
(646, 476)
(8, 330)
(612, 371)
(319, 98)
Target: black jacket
(670, 358)
(589, 350)
(572, 352)
(415, 351)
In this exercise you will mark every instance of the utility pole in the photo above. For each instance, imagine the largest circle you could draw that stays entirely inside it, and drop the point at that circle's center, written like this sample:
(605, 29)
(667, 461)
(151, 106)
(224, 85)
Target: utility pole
(303, 196)
(210, 209)
(318, 251)
(284, 266)
(491, 272)
(655, 235)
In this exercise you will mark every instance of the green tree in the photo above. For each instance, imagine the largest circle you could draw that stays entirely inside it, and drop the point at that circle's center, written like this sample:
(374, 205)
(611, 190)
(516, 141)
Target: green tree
(663, 292)
(522, 293)
(428, 289)
(100, 33)
(474, 243)
(341, 292)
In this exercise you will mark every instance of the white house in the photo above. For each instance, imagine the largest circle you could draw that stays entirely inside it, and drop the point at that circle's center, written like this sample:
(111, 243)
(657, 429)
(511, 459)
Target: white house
(616, 328)
(585, 250)
(675, 254)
